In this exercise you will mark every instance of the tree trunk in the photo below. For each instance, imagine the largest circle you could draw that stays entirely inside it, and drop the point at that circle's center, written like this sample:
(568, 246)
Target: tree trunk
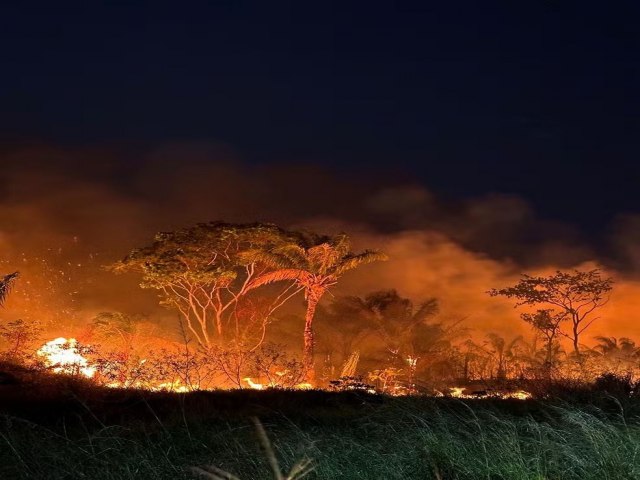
(313, 298)
(576, 346)
(465, 372)
(548, 364)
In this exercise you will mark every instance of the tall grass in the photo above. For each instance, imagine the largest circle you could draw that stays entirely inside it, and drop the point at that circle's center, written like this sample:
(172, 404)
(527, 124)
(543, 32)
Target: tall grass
(347, 437)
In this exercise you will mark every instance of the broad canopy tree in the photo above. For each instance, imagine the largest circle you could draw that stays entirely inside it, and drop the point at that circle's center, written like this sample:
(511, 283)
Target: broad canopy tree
(209, 271)
(572, 295)
(202, 272)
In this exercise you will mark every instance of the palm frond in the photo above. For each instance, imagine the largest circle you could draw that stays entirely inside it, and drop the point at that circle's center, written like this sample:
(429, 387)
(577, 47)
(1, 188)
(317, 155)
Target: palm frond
(351, 262)
(323, 258)
(514, 342)
(295, 254)
(427, 309)
(6, 284)
(282, 275)
(606, 344)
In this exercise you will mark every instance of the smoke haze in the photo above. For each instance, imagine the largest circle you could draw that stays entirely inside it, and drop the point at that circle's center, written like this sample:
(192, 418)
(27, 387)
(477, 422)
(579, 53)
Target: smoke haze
(64, 213)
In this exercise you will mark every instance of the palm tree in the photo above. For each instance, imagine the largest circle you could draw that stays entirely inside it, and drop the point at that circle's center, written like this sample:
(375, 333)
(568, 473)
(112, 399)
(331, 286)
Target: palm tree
(314, 264)
(5, 285)
(503, 352)
(622, 351)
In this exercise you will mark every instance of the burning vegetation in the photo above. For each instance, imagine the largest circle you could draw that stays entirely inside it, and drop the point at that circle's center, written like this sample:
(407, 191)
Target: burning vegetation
(235, 288)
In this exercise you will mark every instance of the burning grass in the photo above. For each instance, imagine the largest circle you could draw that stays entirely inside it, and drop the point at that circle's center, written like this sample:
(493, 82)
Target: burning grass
(387, 391)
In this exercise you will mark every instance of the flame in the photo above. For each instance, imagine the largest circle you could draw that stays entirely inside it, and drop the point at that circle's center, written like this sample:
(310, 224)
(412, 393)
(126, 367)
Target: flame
(252, 384)
(518, 395)
(261, 386)
(62, 355)
(412, 361)
(176, 386)
(458, 392)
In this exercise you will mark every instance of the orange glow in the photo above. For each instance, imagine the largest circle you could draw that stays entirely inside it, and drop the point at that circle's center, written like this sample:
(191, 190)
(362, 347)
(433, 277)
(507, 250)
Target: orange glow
(253, 385)
(61, 354)
(459, 392)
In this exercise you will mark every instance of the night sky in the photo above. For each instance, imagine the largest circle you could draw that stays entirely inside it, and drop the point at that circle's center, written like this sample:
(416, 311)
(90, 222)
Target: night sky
(539, 99)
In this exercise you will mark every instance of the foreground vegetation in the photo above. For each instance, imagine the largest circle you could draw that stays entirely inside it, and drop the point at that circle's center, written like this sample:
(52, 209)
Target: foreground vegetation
(227, 281)
(73, 430)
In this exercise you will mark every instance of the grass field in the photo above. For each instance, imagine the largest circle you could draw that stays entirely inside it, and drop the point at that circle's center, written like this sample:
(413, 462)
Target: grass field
(80, 433)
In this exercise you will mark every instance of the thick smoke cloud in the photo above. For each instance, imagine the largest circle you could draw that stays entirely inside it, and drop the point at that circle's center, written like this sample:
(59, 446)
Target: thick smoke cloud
(64, 213)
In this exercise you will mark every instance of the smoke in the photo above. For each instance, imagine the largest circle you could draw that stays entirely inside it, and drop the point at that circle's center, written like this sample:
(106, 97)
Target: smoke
(64, 213)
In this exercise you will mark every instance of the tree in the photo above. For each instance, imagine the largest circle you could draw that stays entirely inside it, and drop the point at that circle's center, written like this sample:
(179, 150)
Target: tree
(622, 352)
(408, 336)
(5, 285)
(202, 272)
(503, 352)
(547, 323)
(578, 294)
(314, 264)
(621, 348)
(342, 326)
(19, 337)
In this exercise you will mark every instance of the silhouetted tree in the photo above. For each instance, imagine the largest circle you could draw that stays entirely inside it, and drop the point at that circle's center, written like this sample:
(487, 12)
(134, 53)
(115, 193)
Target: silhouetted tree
(618, 352)
(19, 337)
(203, 273)
(314, 264)
(408, 336)
(503, 352)
(577, 294)
(342, 325)
(546, 323)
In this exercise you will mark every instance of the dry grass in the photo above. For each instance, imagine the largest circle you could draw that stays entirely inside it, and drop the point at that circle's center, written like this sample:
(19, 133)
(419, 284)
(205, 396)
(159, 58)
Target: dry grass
(131, 436)
(298, 471)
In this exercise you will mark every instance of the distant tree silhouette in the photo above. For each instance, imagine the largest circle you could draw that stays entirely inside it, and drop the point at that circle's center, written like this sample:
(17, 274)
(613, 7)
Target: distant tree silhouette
(547, 323)
(503, 352)
(618, 352)
(577, 294)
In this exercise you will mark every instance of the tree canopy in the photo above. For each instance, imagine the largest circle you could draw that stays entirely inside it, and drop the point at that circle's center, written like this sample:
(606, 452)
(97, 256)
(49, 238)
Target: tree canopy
(576, 294)
(314, 263)
(204, 271)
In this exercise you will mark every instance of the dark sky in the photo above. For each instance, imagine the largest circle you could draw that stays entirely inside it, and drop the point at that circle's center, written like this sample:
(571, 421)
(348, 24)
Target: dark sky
(534, 98)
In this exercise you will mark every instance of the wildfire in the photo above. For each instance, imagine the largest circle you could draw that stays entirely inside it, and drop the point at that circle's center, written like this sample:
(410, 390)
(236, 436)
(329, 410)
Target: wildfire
(252, 384)
(62, 355)
(176, 386)
(459, 392)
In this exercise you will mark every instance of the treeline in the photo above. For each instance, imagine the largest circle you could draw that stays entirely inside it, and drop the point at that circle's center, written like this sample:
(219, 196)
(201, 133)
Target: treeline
(229, 284)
